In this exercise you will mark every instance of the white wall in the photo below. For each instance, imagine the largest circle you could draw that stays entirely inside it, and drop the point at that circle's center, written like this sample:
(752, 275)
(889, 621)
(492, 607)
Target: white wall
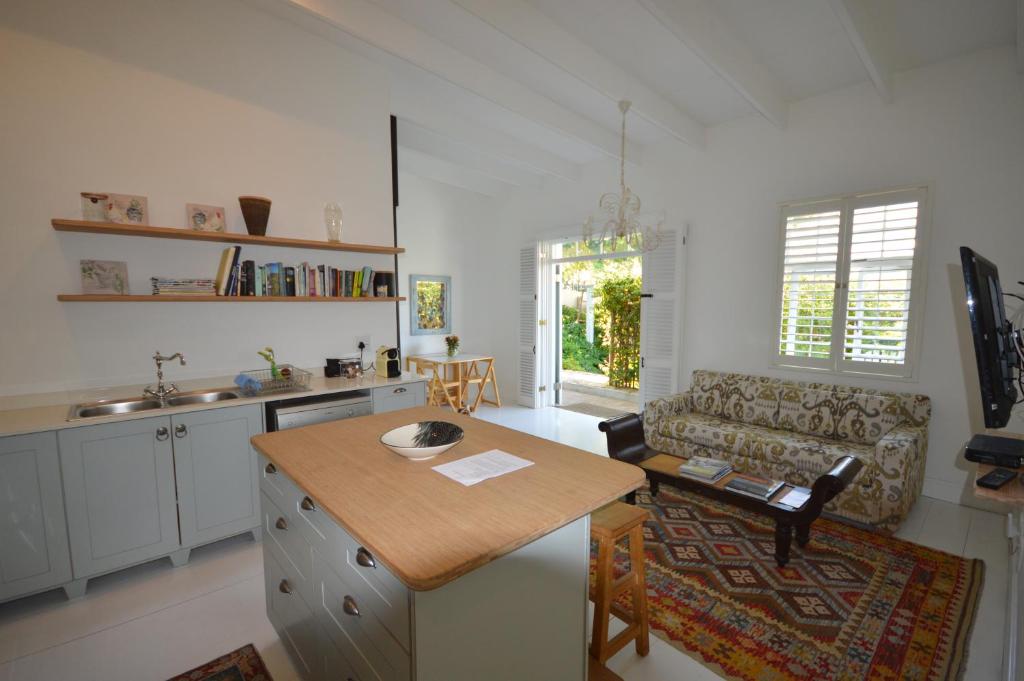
(187, 101)
(958, 126)
(441, 228)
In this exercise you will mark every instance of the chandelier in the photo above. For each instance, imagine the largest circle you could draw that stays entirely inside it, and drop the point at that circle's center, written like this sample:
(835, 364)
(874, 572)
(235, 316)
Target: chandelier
(620, 212)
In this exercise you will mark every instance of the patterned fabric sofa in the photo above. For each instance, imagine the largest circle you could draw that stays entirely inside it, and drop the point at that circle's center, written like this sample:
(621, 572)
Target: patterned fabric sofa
(795, 432)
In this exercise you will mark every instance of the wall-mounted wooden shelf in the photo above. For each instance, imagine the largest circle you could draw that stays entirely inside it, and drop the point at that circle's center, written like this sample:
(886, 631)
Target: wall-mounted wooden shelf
(221, 237)
(95, 298)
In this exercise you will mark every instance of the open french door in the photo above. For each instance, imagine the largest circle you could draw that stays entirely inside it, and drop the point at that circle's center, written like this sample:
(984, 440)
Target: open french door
(529, 326)
(660, 317)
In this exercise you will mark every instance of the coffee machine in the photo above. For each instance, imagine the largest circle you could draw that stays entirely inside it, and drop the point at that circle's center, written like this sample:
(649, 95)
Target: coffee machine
(388, 363)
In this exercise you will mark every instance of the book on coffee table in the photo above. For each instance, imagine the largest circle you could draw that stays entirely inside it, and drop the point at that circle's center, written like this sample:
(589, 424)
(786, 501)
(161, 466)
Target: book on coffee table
(753, 486)
(705, 469)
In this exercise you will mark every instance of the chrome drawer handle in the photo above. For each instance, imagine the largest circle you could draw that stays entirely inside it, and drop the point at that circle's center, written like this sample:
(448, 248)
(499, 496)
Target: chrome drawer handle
(270, 469)
(348, 604)
(399, 391)
(162, 434)
(307, 504)
(365, 558)
(284, 587)
(281, 524)
(180, 430)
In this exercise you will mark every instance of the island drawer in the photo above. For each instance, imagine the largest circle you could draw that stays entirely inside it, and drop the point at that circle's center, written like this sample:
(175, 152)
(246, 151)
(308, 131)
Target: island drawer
(291, 549)
(372, 583)
(356, 630)
(293, 619)
(275, 483)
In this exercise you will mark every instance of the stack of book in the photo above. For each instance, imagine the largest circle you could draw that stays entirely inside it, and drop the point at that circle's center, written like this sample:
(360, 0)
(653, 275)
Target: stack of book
(705, 469)
(753, 486)
(183, 287)
(237, 277)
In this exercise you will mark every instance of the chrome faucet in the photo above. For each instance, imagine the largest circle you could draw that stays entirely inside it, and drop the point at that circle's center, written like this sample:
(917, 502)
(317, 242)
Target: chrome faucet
(161, 392)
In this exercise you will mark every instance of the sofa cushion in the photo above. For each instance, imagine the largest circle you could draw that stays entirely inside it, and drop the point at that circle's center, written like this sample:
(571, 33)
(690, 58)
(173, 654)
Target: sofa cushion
(706, 431)
(857, 418)
(736, 441)
(746, 399)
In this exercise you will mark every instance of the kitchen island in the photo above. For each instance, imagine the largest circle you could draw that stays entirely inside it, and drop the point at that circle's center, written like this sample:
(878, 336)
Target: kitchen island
(379, 567)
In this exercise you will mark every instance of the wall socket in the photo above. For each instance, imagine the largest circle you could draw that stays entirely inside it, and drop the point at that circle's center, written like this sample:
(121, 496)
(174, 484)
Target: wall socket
(368, 341)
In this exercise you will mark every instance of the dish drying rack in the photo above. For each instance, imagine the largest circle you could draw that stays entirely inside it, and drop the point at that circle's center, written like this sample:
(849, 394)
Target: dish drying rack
(297, 379)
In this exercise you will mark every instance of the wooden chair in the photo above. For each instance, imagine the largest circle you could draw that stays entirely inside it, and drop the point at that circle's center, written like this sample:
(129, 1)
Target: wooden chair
(439, 390)
(481, 381)
(609, 525)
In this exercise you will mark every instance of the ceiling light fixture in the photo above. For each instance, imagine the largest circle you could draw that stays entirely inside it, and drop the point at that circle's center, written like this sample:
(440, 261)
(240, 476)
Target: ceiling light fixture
(621, 212)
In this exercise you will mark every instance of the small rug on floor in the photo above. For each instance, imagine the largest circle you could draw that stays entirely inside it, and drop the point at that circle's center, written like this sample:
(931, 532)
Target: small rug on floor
(244, 664)
(850, 605)
(593, 410)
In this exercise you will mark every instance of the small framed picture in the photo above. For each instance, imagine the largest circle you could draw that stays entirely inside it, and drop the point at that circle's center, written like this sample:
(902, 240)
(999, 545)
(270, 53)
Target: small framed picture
(108, 277)
(128, 209)
(204, 218)
(430, 305)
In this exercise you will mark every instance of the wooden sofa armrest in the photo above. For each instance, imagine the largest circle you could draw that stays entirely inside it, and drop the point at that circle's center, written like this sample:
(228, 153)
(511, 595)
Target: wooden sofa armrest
(625, 436)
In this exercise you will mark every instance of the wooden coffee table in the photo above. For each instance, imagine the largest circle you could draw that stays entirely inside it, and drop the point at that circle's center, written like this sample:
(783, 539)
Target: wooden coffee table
(664, 468)
(625, 436)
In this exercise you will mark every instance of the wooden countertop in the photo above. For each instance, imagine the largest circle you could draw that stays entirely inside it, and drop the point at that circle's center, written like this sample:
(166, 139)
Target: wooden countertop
(427, 528)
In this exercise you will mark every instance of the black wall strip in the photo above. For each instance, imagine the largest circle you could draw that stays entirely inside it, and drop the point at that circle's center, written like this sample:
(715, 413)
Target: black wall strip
(394, 225)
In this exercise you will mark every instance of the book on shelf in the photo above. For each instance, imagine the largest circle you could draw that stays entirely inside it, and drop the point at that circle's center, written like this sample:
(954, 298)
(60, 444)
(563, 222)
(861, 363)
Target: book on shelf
(754, 486)
(237, 277)
(705, 469)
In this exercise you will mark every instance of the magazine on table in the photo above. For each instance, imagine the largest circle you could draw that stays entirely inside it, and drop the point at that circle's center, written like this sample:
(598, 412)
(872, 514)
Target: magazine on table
(752, 486)
(705, 469)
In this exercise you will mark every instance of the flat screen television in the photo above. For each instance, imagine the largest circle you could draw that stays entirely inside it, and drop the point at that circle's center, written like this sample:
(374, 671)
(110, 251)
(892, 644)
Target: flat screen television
(995, 342)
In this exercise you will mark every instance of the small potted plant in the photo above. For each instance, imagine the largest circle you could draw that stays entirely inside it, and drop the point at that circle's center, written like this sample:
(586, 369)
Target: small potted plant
(452, 342)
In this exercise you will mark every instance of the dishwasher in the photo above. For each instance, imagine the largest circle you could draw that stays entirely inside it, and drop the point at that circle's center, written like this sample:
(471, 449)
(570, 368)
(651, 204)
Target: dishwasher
(305, 411)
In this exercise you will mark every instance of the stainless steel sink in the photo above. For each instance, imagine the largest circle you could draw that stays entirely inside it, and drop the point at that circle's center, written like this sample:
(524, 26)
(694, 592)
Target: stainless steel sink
(112, 407)
(202, 397)
(135, 404)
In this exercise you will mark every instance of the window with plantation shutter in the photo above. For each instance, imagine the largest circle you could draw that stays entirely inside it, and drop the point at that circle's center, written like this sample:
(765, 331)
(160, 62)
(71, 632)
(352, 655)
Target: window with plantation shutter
(849, 289)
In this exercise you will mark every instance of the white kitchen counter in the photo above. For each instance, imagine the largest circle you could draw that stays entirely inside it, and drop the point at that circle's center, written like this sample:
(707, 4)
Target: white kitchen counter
(42, 412)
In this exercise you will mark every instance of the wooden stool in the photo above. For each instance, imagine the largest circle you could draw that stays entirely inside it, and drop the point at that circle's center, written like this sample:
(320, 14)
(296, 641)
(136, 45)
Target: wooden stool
(608, 525)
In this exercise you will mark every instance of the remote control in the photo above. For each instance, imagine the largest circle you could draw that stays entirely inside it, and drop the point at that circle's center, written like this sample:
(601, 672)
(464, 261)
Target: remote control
(996, 478)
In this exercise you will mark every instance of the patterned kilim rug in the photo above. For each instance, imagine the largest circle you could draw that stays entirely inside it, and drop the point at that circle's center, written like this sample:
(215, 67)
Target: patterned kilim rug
(851, 605)
(244, 664)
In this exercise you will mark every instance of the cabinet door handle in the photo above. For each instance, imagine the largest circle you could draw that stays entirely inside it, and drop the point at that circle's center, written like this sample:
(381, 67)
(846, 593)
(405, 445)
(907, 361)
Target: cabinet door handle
(399, 391)
(348, 604)
(180, 430)
(284, 587)
(270, 469)
(365, 558)
(162, 434)
(307, 504)
(281, 524)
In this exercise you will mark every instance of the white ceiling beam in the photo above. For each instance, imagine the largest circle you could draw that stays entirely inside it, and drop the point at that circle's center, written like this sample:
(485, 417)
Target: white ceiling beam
(391, 34)
(532, 29)
(436, 169)
(868, 44)
(696, 25)
(412, 136)
(1020, 36)
(460, 129)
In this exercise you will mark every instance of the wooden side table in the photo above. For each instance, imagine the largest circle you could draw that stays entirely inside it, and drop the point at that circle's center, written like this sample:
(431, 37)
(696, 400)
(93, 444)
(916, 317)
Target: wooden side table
(1011, 496)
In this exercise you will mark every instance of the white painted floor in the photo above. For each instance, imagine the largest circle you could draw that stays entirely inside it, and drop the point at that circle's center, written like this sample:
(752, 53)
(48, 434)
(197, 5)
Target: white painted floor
(155, 621)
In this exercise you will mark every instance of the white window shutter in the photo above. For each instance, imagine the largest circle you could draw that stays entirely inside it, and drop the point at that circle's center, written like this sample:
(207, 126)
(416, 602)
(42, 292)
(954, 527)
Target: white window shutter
(660, 323)
(529, 325)
(810, 274)
(883, 254)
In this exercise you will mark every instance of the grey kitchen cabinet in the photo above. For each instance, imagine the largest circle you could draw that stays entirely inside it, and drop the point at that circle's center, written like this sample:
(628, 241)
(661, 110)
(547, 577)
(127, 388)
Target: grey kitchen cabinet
(395, 397)
(33, 535)
(215, 468)
(119, 492)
